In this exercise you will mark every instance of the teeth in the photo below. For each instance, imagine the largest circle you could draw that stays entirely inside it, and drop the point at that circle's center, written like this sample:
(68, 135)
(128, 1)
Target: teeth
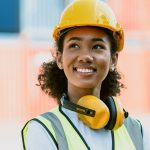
(85, 70)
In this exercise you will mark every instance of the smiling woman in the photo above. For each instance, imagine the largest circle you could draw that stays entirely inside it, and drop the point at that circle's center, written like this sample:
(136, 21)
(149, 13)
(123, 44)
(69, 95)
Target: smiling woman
(83, 77)
(85, 60)
(51, 80)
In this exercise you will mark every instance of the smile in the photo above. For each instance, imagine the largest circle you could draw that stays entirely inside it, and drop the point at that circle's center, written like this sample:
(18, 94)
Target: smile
(85, 70)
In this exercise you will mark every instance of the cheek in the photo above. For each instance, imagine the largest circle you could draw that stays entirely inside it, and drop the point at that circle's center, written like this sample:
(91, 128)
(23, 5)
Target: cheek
(104, 64)
(68, 57)
(104, 60)
(67, 62)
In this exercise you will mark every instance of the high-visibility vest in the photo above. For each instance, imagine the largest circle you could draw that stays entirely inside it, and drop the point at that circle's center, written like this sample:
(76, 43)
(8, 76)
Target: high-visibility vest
(66, 137)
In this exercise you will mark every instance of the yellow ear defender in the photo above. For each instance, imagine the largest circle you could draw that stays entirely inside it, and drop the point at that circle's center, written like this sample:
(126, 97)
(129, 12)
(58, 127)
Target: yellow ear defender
(97, 113)
(102, 113)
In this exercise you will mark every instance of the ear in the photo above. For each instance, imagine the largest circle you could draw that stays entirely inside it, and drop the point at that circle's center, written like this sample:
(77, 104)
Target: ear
(59, 59)
(114, 60)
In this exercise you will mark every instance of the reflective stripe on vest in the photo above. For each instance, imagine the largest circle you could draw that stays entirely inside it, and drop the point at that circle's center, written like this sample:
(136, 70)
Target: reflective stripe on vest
(59, 131)
(60, 127)
(134, 129)
(122, 140)
(74, 138)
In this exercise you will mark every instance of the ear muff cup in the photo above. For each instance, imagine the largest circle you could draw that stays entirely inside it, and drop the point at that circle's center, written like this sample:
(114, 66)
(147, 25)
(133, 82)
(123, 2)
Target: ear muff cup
(102, 114)
(109, 113)
(116, 113)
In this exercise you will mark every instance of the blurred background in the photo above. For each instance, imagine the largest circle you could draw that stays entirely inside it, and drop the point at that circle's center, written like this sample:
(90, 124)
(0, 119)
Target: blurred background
(26, 42)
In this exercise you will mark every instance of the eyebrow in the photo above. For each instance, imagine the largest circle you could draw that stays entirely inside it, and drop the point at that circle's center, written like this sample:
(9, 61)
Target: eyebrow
(80, 39)
(75, 38)
(98, 39)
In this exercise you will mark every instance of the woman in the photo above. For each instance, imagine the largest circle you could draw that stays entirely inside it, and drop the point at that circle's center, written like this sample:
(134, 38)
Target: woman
(84, 80)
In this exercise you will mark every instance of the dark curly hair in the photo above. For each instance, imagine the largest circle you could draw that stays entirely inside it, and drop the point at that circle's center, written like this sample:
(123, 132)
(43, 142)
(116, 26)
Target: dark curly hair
(53, 81)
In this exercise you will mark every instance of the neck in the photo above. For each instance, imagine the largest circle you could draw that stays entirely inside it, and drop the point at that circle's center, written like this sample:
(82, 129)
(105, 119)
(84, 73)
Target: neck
(75, 94)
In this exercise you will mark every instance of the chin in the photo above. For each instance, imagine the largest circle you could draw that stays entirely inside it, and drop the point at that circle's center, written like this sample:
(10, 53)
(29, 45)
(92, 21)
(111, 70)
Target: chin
(87, 86)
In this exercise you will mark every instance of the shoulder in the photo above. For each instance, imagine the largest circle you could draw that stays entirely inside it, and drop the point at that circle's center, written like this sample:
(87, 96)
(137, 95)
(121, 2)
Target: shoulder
(132, 122)
(146, 138)
(34, 127)
(138, 132)
(146, 131)
(134, 127)
(135, 130)
(37, 137)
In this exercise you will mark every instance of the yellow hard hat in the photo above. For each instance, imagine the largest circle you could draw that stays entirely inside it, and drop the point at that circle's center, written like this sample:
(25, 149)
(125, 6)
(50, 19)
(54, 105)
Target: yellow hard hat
(90, 13)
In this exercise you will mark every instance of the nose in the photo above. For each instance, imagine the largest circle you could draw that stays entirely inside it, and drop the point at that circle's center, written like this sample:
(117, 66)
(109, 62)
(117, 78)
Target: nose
(85, 57)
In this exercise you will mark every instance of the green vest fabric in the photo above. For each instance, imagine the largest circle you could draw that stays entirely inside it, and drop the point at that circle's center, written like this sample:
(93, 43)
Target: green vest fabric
(67, 137)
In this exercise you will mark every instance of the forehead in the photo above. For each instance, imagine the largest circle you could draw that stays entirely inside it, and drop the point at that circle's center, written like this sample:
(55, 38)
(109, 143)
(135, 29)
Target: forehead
(86, 32)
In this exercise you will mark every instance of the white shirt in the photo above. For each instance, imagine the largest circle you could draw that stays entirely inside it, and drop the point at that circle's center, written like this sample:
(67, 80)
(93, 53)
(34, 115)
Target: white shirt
(39, 139)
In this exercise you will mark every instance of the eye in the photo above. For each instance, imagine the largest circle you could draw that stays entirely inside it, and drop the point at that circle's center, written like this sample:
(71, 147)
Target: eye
(74, 46)
(98, 46)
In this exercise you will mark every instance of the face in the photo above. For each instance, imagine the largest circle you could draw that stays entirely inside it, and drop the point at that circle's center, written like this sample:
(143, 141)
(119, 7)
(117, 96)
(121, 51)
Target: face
(86, 58)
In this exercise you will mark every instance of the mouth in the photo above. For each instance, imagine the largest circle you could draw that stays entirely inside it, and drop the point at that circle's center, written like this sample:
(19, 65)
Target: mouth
(87, 70)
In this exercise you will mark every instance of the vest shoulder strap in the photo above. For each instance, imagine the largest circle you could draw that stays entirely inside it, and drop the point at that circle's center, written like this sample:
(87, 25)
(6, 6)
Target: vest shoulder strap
(45, 124)
(64, 131)
(59, 131)
(134, 129)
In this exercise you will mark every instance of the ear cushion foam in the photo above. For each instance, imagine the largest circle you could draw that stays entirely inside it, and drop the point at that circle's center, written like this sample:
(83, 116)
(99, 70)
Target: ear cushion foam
(113, 112)
(120, 114)
(116, 113)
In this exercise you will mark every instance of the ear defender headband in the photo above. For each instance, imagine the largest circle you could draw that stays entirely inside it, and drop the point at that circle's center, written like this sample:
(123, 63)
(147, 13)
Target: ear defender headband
(97, 113)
